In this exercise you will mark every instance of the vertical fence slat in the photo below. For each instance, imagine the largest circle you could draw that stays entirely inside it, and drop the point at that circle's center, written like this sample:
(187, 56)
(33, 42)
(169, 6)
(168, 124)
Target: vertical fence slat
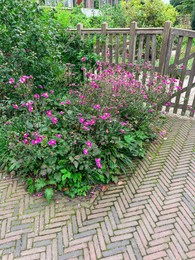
(178, 50)
(79, 28)
(140, 49)
(189, 87)
(164, 48)
(193, 108)
(98, 46)
(104, 44)
(147, 51)
(153, 51)
(168, 54)
(110, 48)
(186, 58)
(124, 48)
(132, 42)
(117, 49)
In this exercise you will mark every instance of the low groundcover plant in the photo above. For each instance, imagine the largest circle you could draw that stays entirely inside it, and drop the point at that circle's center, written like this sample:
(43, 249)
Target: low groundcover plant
(70, 138)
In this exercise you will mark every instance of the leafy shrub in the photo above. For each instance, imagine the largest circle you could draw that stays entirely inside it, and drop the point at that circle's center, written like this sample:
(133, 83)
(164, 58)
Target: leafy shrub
(148, 13)
(34, 43)
(84, 135)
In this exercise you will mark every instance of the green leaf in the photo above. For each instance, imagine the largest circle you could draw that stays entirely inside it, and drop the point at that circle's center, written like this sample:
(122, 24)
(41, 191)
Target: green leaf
(40, 183)
(48, 194)
(129, 139)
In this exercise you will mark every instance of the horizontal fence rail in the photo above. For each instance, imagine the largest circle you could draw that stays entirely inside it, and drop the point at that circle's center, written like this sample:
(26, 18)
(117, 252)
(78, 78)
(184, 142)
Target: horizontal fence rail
(169, 50)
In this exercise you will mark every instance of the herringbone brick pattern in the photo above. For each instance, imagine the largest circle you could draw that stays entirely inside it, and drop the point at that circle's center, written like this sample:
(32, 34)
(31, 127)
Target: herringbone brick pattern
(150, 215)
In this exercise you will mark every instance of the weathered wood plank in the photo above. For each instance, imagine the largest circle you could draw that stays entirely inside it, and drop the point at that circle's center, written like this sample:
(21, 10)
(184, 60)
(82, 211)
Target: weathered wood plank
(110, 48)
(124, 48)
(189, 87)
(132, 42)
(153, 51)
(147, 51)
(183, 32)
(164, 47)
(117, 49)
(140, 48)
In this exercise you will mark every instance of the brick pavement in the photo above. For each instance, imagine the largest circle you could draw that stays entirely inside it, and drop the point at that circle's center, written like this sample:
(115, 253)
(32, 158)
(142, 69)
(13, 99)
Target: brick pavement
(149, 216)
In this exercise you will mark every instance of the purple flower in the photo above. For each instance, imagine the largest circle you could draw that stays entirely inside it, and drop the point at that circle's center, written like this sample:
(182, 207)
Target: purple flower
(54, 120)
(85, 151)
(8, 123)
(30, 108)
(88, 143)
(25, 141)
(52, 142)
(105, 116)
(83, 59)
(97, 107)
(58, 135)
(81, 120)
(49, 113)
(178, 87)
(34, 142)
(26, 135)
(61, 112)
(98, 163)
(168, 104)
(15, 106)
(68, 102)
(37, 96)
(45, 95)
(86, 128)
(11, 81)
(151, 110)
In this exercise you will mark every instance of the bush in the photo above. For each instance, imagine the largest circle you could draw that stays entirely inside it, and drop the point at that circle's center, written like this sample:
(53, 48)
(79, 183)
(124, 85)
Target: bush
(80, 136)
(34, 43)
(148, 13)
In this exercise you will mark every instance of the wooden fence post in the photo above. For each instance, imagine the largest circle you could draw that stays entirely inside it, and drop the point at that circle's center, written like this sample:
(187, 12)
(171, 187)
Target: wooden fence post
(79, 28)
(132, 42)
(104, 44)
(164, 47)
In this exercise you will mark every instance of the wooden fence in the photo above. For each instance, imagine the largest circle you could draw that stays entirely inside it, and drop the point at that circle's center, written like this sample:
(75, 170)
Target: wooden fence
(170, 51)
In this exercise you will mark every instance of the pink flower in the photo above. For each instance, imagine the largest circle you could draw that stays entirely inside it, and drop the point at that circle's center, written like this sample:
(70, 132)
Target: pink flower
(178, 87)
(88, 143)
(61, 112)
(85, 151)
(45, 95)
(51, 91)
(37, 96)
(30, 108)
(23, 79)
(33, 142)
(168, 104)
(52, 142)
(182, 67)
(15, 106)
(86, 128)
(68, 102)
(62, 103)
(122, 131)
(83, 59)
(54, 120)
(11, 81)
(97, 107)
(8, 123)
(58, 135)
(151, 110)
(26, 135)
(105, 116)
(98, 163)
(81, 120)
(49, 113)
(25, 141)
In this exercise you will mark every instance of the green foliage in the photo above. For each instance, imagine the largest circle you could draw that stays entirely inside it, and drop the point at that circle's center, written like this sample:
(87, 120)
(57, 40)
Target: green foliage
(148, 13)
(193, 17)
(183, 6)
(82, 135)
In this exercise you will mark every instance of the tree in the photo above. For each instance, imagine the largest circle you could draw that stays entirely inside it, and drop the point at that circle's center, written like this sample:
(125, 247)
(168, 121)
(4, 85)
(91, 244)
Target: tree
(183, 6)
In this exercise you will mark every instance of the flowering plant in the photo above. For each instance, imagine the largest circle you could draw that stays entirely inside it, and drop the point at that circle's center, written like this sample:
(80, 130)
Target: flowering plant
(85, 135)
